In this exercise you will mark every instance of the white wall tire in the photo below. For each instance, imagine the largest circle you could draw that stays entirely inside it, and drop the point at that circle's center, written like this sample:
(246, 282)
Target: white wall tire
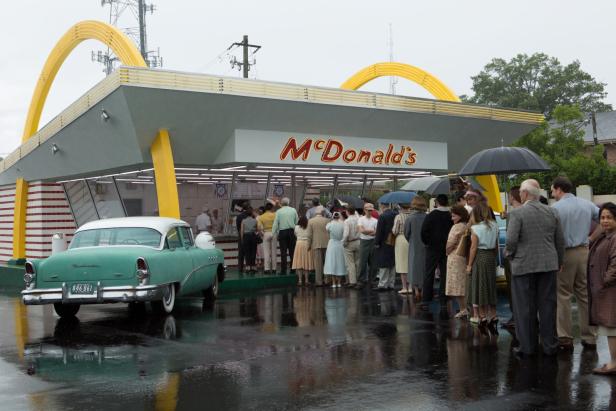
(167, 302)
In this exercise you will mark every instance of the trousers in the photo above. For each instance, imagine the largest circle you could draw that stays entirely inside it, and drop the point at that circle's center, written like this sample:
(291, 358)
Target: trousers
(286, 240)
(269, 251)
(535, 294)
(351, 259)
(318, 255)
(434, 259)
(367, 257)
(572, 282)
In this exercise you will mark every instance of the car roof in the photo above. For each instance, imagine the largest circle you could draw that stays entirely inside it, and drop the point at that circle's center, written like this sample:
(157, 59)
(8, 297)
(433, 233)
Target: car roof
(160, 224)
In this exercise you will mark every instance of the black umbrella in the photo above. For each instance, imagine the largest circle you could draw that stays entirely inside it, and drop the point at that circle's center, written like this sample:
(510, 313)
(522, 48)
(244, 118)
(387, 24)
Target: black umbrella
(432, 185)
(354, 201)
(503, 160)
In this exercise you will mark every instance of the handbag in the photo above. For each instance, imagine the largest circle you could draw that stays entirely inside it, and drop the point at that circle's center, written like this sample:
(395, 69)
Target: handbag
(259, 238)
(391, 239)
(464, 246)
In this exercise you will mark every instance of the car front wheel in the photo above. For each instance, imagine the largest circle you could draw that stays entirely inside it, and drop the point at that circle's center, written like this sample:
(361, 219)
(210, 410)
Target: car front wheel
(166, 304)
(66, 310)
(211, 293)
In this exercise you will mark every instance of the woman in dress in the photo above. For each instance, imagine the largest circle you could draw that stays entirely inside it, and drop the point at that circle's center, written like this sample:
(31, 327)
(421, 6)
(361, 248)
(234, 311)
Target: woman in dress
(455, 285)
(302, 257)
(334, 255)
(602, 283)
(482, 265)
(417, 249)
(248, 235)
(401, 249)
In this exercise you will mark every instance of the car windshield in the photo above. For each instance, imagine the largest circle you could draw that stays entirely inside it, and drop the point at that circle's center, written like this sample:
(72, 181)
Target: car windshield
(116, 236)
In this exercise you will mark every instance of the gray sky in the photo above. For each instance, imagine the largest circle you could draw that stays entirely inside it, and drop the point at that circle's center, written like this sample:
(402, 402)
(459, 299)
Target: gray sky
(311, 42)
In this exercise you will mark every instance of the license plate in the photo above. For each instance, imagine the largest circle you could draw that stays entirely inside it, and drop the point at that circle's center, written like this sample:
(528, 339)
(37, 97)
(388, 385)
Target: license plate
(82, 288)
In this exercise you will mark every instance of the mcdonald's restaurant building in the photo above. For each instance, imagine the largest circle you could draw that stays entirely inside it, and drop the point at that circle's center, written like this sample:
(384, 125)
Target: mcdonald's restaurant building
(157, 142)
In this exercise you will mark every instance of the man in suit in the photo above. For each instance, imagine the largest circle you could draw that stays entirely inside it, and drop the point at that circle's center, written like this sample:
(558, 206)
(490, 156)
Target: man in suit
(536, 247)
(385, 256)
(317, 242)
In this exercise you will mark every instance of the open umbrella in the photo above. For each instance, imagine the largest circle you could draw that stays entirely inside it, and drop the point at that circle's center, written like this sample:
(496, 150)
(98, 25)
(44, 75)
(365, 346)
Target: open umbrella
(432, 185)
(354, 201)
(503, 160)
(397, 197)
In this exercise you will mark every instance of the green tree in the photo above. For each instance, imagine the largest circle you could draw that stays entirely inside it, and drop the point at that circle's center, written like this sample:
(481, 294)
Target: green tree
(537, 82)
(561, 144)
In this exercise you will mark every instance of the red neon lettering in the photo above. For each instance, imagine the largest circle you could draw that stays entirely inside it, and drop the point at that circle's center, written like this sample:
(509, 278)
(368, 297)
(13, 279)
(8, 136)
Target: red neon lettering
(378, 157)
(396, 158)
(364, 156)
(327, 156)
(319, 144)
(349, 155)
(291, 148)
(412, 157)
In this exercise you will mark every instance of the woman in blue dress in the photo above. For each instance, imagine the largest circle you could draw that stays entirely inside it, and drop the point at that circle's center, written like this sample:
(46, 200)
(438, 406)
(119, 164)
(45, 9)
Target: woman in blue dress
(334, 255)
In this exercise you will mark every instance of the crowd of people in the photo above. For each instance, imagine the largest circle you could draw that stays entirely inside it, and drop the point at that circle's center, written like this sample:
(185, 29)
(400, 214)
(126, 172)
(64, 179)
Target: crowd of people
(553, 253)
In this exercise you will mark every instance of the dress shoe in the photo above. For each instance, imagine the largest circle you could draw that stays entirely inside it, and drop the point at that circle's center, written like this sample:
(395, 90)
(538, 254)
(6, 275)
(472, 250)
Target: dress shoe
(589, 346)
(565, 347)
(518, 353)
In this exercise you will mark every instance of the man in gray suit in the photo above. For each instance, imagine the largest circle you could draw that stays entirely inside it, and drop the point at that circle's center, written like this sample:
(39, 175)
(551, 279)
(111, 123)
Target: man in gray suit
(535, 246)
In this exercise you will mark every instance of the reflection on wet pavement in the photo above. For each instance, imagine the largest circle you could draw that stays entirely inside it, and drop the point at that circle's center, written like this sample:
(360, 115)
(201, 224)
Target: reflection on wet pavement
(281, 349)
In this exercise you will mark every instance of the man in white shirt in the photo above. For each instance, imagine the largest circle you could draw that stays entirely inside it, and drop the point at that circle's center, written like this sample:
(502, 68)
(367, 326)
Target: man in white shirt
(350, 241)
(366, 225)
(204, 222)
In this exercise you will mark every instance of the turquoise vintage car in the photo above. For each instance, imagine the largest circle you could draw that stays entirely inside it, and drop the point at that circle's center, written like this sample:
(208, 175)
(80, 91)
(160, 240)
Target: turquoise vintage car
(128, 260)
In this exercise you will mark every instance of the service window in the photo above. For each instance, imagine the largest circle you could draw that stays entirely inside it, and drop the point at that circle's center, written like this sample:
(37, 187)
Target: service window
(187, 236)
(173, 239)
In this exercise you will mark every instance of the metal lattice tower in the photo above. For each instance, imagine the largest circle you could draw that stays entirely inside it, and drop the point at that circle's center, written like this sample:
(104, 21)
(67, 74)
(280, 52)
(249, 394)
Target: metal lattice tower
(138, 10)
(390, 43)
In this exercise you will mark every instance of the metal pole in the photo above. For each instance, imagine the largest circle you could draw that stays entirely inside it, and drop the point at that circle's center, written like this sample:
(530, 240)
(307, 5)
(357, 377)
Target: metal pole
(245, 66)
(396, 183)
(335, 188)
(363, 187)
(233, 177)
(142, 39)
(293, 191)
(267, 185)
(115, 184)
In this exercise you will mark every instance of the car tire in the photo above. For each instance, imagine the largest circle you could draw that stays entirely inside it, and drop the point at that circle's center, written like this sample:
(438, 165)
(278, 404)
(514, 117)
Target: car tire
(212, 293)
(66, 310)
(167, 302)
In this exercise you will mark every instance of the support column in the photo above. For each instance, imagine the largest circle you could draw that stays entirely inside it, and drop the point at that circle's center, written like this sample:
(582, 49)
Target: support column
(492, 193)
(164, 174)
(19, 221)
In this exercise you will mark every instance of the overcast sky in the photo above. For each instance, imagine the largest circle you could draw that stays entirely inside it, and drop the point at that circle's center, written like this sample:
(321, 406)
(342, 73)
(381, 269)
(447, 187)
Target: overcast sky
(309, 42)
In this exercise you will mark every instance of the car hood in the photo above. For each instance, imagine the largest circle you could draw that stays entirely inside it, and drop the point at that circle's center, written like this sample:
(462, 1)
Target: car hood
(92, 264)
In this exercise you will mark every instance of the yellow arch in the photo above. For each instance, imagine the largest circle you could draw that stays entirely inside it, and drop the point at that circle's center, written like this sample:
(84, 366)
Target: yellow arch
(435, 87)
(128, 54)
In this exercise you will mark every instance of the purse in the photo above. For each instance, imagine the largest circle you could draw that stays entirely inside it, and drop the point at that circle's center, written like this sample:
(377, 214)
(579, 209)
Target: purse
(464, 246)
(259, 238)
(391, 239)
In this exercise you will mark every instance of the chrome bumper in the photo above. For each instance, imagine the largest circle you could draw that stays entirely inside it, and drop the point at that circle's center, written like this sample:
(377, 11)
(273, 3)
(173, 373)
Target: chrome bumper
(119, 294)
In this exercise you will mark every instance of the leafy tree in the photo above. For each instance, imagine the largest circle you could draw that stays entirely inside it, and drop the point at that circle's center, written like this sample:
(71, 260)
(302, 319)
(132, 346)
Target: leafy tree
(537, 82)
(561, 144)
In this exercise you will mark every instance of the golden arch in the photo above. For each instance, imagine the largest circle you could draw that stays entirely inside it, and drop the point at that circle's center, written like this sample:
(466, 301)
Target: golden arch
(435, 87)
(128, 55)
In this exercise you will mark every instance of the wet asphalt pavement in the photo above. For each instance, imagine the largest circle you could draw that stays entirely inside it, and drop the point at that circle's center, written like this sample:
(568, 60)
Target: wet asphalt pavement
(281, 349)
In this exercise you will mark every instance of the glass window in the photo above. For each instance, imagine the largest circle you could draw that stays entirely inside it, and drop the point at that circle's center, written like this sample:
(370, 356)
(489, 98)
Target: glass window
(106, 198)
(173, 239)
(187, 236)
(116, 236)
(81, 203)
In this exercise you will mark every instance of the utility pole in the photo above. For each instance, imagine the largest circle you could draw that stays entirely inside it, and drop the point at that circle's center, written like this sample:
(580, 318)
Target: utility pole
(142, 36)
(245, 64)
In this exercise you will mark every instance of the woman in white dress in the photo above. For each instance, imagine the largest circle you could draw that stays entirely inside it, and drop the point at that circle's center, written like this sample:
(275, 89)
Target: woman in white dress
(334, 255)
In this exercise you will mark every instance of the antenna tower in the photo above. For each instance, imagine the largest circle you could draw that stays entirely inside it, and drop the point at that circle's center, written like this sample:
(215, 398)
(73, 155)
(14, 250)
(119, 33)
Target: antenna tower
(138, 10)
(390, 44)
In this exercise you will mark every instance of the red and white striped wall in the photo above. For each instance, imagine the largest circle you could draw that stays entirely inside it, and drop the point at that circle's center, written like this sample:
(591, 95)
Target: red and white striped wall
(48, 212)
